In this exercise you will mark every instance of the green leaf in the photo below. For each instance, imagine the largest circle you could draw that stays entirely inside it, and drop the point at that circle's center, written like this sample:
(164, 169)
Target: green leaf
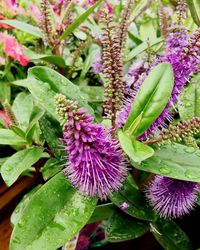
(5, 91)
(17, 131)
(170, 235)
(43, 94)
(152, 98)
(59, 214)
(53, 59)
(27, 28)
(102, 212)
(122, 227)
(36, 114)
(136, 150)
(58, 84)
(17, 213)
(52, 131)
(8, 137)
(189, 101)
(79, 21)
(176, 161)
(51, 168)
(19, 162)
(141, 48)
(194, 6)
(94, 93)
(137, 207)
(22, 108)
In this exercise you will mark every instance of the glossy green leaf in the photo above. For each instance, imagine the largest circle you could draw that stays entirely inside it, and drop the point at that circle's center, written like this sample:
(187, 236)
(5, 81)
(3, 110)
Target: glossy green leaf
(58, 84)
(17, 213)
(79, 21)
(194, 6)
(43, 94)
(170, 235)
(53, 59)
(8, 137)
(51, 167)
(22, 108)
(122, 227)
(102, 212)
(176, 161)
(19, 162)
(29, 29)
(152, 98)
(52, 131)
(59, 214)
(137, 207)
(189, 101)
(141, 48)
(136, 150)
(36, 114)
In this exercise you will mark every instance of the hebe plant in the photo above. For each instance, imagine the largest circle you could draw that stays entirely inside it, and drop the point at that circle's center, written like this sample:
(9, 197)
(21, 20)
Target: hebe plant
(104, 114)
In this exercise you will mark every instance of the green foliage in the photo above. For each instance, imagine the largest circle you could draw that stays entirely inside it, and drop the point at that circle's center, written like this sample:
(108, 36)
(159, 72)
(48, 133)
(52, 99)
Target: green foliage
(170, 235)
(121, 227)
(194, 6)
(189, 101)
(8, 137)
(134, 149)
(59, 213)
(19, 162)
(79, 20)
(137, 206)
(151, 99)
(27, 28)
(176, 161)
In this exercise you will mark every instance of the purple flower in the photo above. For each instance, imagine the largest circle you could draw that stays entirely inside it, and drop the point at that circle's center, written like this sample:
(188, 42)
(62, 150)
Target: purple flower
(97, 65)
(96, 164)
(172, 198)
(183, 64)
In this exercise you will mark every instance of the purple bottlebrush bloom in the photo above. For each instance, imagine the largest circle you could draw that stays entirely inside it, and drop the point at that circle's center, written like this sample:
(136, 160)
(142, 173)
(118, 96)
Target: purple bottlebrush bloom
(97, 65)
(172, 198)
(183, 64)
(96, 164)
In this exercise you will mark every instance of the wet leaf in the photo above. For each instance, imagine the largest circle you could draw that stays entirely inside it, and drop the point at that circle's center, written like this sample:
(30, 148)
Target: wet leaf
(122, 227)
(59, 214)
(176, 161)
(170, 235)
(136, 150)
(152, 98)
(19, 162)
(131, 196)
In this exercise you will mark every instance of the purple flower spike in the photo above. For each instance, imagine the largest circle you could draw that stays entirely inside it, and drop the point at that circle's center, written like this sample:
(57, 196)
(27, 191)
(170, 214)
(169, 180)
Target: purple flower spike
(96, 164)
(172, 198)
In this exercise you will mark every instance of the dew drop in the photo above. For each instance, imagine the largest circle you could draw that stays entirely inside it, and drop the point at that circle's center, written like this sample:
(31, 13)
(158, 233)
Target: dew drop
(191, 175)
(164, 170)
(190, 150)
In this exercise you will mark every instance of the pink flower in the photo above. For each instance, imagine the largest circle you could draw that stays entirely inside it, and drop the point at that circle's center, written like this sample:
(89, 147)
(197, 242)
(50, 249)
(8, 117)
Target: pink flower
(13, 8)
(35, 11)
(13, 49)
(5, 118)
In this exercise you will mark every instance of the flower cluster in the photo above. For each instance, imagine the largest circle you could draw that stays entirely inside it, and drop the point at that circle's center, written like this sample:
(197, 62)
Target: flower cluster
(96, 164)
(13, 49)
(172, 198)
(183, 64)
